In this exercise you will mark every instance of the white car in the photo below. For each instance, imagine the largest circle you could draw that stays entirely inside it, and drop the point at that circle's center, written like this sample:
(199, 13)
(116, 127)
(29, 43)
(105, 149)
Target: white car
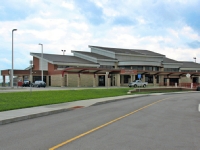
(137, 83)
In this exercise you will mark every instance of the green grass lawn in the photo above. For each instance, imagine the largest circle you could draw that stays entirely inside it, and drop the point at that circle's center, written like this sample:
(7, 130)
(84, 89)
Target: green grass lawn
(17, 100)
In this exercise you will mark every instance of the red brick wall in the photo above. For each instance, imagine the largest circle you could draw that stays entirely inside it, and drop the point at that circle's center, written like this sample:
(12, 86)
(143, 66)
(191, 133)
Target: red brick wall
(51, 67)
(36, 63)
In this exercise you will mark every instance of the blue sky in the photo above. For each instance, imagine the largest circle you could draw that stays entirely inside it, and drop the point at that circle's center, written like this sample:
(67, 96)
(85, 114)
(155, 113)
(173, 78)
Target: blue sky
(170, 27)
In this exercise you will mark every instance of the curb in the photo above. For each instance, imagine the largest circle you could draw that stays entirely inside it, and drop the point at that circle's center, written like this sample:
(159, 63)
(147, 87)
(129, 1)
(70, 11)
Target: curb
(16, 119)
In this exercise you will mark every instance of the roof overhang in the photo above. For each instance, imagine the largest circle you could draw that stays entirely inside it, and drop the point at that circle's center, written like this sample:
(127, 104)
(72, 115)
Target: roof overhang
(80, 70)
(157, 73)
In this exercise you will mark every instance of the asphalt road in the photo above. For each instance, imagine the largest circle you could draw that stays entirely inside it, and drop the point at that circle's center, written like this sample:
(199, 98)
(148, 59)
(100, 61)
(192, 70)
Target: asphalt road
(153, 123)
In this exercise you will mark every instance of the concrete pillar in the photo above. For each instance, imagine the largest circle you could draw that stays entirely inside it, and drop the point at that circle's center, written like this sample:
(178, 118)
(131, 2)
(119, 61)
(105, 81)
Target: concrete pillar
(116, 65)
(167, 81)
(122, 80)
(118, 79)
(143, 78)
(109, 80)
(106, 80)
(79, 80)
(94, 80)
(62, 81)
(4, 81)
(179, 81)
(132, 78)
(67, 80)
(47, 80)
(154, 80)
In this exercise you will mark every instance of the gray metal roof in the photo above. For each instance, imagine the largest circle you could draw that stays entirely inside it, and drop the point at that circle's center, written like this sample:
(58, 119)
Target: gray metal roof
(129, 51)
(168, 60)
(63, 58)
(189, 64)
(97, 56)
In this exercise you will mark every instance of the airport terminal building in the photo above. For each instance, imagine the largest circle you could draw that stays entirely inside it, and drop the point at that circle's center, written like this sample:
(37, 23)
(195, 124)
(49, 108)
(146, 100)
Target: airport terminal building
(105, 66)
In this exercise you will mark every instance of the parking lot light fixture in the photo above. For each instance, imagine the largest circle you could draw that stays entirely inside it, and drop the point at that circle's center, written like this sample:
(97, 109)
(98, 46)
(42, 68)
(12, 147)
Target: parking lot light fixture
(12, 60)
(63, 51)
(41, 60)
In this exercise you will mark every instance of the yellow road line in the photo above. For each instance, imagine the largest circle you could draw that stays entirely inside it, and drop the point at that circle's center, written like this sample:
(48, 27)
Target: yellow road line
(99, 127)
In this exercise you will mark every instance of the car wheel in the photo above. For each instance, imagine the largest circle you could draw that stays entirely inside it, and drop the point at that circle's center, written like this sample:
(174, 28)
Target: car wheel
(144, 85)
(135, 85)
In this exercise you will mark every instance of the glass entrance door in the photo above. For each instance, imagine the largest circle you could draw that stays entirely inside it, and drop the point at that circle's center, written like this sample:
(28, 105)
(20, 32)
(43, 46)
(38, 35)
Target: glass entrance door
(101, 80)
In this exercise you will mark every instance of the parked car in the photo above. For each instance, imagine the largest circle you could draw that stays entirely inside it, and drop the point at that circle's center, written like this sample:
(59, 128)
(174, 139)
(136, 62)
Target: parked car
(137, 83)
(27, 84)
(39, 84)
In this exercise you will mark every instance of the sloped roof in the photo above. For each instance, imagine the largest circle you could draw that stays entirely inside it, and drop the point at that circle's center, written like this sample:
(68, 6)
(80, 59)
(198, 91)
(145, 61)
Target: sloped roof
(129, 51)
(97, 56)
(189, 64)
(63, 58)
(168, 60)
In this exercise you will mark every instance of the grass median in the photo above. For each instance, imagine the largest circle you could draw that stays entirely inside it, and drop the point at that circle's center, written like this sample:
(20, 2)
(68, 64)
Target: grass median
(18, 100)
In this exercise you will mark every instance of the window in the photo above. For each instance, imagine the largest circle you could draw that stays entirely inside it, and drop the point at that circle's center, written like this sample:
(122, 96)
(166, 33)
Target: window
(149, 78)
(108, 67)
(156, 68)
(137, 67)
(126, 77)
(149, 68)
(188, 70)
(125, 67)
(140, 68)
(171, 69)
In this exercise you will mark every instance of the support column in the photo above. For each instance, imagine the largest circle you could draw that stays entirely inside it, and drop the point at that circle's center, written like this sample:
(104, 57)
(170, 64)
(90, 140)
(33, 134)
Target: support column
(109, 80)
(167, 81)
(47, 80)
(106, 79)
(132, 78)
(79, 80)
(4, 81)
(179, 82)
(94, 80)
(122, 81)
(154, 80)
(67, 80)
(62, 81)
(143, 78)
(118, 79)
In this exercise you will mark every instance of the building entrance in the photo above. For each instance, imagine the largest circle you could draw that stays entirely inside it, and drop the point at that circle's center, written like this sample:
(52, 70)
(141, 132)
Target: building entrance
(101, 80)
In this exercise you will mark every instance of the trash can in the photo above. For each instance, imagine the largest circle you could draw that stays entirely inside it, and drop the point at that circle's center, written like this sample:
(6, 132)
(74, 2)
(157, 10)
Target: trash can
(19, 83)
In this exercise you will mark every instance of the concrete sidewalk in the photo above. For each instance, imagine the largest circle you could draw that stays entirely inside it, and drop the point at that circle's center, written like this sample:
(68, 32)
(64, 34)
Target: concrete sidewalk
(33, 112)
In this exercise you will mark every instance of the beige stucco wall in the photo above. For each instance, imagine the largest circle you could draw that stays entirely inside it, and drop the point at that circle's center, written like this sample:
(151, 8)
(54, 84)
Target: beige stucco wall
(56, 80)
(86, 80)
(72, 80)
(185, 80)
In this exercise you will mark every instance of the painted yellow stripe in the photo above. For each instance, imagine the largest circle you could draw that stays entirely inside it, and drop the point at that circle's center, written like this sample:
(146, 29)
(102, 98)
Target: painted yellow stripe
(99, 127)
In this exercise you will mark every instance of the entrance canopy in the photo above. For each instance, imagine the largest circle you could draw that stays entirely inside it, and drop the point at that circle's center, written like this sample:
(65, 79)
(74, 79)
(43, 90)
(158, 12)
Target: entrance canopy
(157, 73)
(90, 70)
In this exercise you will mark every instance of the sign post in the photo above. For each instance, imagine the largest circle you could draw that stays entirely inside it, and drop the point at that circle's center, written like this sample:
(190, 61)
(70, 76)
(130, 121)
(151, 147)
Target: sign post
(139, 77)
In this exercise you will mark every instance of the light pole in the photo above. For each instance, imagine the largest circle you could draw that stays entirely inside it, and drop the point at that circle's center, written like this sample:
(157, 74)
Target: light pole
(195, 59)
(41, 60)
(31, 77)
(63, 51)
(12, 60)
